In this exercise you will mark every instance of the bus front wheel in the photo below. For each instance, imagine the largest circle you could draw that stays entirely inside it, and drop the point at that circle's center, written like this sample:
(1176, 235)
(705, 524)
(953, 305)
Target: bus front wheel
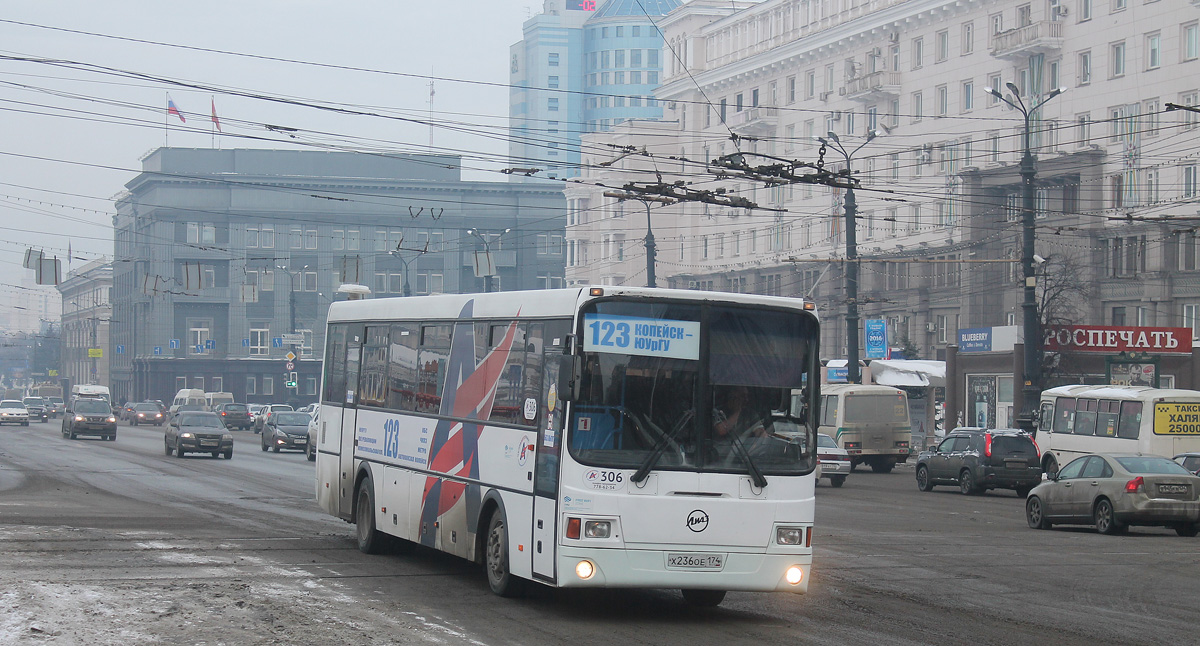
(370, 539)
(500, 577)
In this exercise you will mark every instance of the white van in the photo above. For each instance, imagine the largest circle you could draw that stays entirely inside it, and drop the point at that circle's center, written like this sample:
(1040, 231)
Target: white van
(216, 399)
(91, 391)
(191, 397)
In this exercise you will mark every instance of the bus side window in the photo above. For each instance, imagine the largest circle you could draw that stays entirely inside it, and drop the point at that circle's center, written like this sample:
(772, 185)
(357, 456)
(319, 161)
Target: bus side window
(1106, 418)
(432, 361)
(1046, 419)
(372, 388)
(829, 410)
(1085, 417)
(1130, 426)
(1064, 415)
(402, 368)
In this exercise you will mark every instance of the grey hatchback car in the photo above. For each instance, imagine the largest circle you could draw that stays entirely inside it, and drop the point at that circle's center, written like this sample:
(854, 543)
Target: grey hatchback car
(1113, 491)
(198, 432)
(977, 459)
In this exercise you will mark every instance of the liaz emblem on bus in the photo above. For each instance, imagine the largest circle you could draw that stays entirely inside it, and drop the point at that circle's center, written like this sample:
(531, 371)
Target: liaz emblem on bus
(1176, 419)
(641, 336)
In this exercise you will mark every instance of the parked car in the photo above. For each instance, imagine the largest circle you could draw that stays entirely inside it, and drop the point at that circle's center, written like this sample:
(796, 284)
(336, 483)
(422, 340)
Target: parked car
(977, 459)
(234, 415)
(198, 432)
(1189, 461)
(285, 430)
(37, 408)
(146, 413)
(13, 411)
(56, 406)
(833, 461)
(1113, 491)
(260, 420)
(87, 416)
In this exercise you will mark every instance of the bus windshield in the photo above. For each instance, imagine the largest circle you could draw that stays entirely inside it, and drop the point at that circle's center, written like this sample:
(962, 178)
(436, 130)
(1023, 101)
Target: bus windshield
(692, 386)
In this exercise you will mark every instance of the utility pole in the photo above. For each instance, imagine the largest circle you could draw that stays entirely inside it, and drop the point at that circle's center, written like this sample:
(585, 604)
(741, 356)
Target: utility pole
(649, 240)
(853, 373)
(1031, 391)
(489, 261)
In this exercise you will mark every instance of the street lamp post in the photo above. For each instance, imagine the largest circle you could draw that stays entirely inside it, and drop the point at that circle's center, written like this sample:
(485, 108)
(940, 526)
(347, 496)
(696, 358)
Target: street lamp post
(487, 250)
(395, 253)
(1031, 328)
(853, 375)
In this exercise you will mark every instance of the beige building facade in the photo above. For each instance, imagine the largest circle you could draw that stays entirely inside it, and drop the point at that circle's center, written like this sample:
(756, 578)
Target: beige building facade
(939, 200)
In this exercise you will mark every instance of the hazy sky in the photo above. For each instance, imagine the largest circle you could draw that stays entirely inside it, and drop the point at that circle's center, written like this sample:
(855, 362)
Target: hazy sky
(74, 130)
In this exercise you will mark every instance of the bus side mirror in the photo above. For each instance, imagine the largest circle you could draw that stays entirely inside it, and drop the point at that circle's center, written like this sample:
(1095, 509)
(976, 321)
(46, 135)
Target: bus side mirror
(569, 369)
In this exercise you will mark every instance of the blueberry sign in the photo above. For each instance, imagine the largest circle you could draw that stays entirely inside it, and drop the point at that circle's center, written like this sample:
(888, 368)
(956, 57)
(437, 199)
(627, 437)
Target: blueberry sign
(641, 336)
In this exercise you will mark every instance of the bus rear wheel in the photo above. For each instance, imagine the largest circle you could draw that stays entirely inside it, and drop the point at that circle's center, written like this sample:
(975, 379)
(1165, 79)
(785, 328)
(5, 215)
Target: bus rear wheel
(500, 577)
(703, 598)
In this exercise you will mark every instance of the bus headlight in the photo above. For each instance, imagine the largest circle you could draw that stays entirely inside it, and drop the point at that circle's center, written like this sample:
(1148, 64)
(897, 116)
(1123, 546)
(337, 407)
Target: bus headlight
(597, 529)
(789, 535)
(794, 575)
(585, 569)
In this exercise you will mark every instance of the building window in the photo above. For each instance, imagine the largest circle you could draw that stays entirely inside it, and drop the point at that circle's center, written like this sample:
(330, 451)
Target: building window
(251, 237)
(260, 341)
(968, 96)
(180, 383)
(968, 38)
(552, 59)
(1084, 68)
(1153, 51)
(1191, 319)
(199, 336)
(1085, 10)
(1116, 52)
(1190, 45)
(552, 104)
(251, 385)
(943, 45)
(791, 89)
(918, 52)
(1189, 177)
(943, 101)
(996, 83)
(268, 386)
(918, 106)
(310, 238)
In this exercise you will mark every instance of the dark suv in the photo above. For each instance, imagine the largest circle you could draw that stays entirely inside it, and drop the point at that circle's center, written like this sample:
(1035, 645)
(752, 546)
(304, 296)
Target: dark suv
(977, 459)
(89, 417)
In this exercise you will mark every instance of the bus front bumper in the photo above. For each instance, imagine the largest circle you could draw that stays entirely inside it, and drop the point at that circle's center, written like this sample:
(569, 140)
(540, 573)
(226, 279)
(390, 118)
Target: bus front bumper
(634, 568)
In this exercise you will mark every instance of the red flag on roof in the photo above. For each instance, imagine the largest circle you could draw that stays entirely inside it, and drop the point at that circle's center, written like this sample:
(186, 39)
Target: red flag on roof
(215, 120)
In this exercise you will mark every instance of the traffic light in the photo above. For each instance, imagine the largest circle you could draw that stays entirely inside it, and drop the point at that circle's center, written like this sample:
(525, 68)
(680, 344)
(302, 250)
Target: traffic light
(292, 380)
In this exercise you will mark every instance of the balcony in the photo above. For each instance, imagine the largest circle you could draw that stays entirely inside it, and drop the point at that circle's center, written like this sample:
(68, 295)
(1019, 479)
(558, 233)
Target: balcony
(755, 122)
(876, 86)
(1038, 38)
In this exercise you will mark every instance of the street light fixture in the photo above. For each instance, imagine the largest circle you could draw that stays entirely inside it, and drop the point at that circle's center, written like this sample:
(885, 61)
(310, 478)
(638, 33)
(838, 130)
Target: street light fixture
(395, 253)
(1031, 328)
(487, 250)
(853, 374)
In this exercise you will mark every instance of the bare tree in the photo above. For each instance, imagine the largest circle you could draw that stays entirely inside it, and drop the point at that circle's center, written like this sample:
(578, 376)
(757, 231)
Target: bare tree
(1064, 295)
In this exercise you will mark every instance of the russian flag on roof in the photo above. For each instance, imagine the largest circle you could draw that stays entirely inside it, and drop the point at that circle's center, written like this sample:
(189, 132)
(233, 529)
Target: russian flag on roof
(171, 109)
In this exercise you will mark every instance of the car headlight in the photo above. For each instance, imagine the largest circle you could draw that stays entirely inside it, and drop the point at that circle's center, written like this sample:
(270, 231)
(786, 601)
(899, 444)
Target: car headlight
(141, 414)
(112, 419)
(227, 436)
(79, 418)
(187, 435)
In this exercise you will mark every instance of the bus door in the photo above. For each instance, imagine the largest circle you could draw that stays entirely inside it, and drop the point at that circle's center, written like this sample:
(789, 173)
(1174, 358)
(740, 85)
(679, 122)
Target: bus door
(349, 439)
(545, 481)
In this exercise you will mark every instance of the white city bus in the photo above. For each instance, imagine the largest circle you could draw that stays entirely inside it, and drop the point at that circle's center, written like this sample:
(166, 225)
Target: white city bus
(1081, 419)
(568, 436)
(870, 422)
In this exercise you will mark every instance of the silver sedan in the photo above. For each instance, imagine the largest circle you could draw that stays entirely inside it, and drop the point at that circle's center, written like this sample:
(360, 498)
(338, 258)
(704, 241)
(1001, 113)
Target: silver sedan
(1113, 491)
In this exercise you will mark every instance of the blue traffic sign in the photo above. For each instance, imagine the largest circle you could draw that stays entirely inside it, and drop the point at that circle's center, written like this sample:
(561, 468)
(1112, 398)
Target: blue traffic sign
(210, 344)
(158, 349)
(174, 344)
(120, 349)
(245, 343)
(199, 349)
(277, 342)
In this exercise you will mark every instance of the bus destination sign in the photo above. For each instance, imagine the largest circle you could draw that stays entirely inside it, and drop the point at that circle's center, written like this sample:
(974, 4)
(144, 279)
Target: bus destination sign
(644, 337)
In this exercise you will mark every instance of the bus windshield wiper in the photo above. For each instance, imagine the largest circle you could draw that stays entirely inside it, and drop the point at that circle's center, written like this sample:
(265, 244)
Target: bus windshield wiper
(659, 446)
(756, 475)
